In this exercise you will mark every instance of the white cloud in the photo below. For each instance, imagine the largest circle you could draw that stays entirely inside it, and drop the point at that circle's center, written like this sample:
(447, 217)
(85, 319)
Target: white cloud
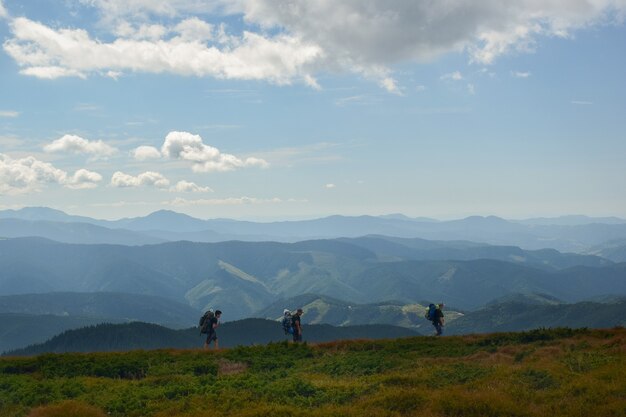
(293, 40)
(149, 178)
(204, 158)
(329, 186)
(520, 74)
(25, 175)
(76, 144)
(3, 11)
(582, 103)
(48, 53)
(454, 76)
(9, 113)
(189, 187)
(471, 89)
(83, 179)
(143, 153)
(420, 88)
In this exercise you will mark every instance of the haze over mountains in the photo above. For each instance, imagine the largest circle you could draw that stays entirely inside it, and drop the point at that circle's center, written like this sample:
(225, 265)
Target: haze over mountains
(62, 272)
(568, 233)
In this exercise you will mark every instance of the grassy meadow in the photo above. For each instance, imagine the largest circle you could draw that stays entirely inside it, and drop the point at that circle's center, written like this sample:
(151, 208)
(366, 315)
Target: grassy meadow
(558, 372)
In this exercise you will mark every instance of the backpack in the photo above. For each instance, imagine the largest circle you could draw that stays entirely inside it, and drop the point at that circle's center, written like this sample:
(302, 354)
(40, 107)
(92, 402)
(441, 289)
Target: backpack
(431, 312)
(286, 322)
(205, 320)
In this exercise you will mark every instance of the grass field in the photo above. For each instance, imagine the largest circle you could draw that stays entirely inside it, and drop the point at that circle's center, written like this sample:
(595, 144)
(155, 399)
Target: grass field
(559, 372)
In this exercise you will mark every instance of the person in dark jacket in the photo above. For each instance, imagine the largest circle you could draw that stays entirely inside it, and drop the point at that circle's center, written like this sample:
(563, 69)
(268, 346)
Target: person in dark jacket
(297, 326)
(439, 321)
(212, 330)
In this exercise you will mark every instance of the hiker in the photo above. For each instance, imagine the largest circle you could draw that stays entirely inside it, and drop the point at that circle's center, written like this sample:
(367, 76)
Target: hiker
(211, 332)
(439, 321)
(286, 322)
(297, 326)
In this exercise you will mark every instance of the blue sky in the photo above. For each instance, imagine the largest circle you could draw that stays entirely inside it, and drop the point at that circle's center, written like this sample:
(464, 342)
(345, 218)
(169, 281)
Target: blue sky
(271, 109)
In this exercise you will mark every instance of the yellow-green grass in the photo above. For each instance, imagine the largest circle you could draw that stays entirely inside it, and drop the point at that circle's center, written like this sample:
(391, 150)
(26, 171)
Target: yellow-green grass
(559, 372)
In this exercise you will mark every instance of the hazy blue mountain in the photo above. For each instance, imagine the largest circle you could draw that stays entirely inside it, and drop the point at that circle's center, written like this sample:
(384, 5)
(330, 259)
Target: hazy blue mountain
(72, 232)
(471, 284)
(518, 316)
(244, 277)
(571, 220)
(570, 234)
(43, 213)
(614, 250)
(103, 306)
(109, 337)
(393, 248)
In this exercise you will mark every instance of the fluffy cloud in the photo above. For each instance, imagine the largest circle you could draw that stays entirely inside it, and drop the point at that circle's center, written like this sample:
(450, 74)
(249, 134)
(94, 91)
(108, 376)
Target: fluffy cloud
(3, 11)
(48, 53)
(291, 40)
(204, 158)
(148, 178)
(189, 187)
(83, 179)
(143, 153)
(18, 176)
(8, 113)
(78, 145)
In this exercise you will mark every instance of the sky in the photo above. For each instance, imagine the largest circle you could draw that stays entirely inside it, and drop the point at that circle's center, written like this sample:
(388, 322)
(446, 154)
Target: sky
(292, 109)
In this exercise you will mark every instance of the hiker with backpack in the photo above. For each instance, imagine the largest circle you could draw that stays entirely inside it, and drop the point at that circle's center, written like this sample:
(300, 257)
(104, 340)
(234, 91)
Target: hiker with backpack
(208, 325)
(434, 313)
(286, 322)
(297, 325)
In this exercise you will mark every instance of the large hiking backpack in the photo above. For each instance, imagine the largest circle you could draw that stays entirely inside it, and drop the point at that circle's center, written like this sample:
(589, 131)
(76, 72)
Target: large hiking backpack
(205, 320)
(431, 312)
(286, 322)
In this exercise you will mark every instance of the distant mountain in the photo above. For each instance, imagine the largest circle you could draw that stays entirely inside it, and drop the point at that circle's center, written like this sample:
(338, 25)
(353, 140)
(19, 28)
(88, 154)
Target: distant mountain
(529, 298)
(103, 306)
(518, 316)
(72, 232)
(394, 248)
(614, 250)
(109, 337)
(570, 233)
(243, 277)
(571, 220)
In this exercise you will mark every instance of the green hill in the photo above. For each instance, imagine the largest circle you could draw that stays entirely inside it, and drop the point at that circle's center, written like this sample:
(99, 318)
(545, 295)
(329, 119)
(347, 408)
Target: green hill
(117, 337)
(558, 372)
(518, 316)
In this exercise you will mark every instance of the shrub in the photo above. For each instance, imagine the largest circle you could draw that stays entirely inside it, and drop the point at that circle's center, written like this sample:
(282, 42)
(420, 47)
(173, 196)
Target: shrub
(67, 409)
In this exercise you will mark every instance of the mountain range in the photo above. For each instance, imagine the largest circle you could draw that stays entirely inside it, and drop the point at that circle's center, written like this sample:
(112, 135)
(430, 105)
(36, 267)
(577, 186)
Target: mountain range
(568, 233)
(241, 278)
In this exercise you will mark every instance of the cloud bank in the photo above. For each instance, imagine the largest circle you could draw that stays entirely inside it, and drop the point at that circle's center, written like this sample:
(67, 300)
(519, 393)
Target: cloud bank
(25, 175)
(292, 40)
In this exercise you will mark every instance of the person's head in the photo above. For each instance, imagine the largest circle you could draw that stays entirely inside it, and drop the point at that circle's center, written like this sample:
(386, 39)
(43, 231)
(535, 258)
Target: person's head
(286, 311)
(441, 305)
(299, 312)
(218, 313)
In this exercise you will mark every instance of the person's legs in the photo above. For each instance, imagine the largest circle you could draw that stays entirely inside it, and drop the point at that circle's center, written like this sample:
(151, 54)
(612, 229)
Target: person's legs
(437, 328)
